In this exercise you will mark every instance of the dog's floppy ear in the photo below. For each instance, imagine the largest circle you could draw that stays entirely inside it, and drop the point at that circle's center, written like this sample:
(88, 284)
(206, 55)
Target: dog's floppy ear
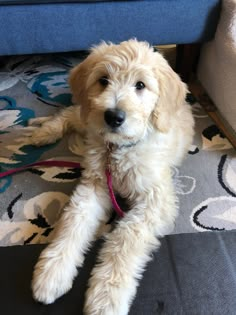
(172, 93)
(76, 81)
(79, 75)
(78, 84)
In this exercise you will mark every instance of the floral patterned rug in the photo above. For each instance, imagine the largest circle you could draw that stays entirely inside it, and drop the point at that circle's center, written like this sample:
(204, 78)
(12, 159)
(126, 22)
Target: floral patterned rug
(31, 201)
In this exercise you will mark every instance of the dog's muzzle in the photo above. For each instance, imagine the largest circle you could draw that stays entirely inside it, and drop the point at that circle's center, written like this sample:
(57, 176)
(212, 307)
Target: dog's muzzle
(114, 117)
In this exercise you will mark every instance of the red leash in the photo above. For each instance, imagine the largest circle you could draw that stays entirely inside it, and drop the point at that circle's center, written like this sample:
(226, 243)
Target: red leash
(112, 195)
(67, 164)
(41, 163)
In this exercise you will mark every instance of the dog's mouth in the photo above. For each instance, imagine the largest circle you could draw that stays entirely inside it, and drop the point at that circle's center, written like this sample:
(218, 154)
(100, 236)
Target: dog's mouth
(118, 138)
(113, 130)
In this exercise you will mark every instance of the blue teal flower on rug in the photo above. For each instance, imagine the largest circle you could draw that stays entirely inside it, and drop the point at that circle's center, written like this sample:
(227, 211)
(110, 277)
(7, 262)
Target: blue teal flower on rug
(11, 114)
(15, 149)
(52, 88)
(4, 182)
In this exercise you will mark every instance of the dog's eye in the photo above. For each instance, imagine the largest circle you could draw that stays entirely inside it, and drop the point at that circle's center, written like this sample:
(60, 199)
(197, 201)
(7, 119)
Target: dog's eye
(104, 81)
(140, 85)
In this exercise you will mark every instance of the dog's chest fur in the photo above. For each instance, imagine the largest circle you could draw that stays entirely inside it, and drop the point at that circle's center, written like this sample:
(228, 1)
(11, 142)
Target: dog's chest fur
(133, 169)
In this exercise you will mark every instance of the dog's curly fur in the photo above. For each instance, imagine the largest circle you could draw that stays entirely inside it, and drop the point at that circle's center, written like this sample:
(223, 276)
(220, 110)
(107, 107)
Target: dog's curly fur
(155, 135)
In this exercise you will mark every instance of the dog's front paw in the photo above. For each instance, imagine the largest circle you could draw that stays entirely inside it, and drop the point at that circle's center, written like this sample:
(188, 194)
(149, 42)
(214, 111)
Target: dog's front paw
(51, 279)
(106, 299)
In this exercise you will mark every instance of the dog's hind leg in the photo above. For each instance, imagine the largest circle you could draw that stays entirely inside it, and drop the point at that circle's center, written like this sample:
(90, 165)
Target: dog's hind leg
(50, 129)
(38, 121)
(77, 227)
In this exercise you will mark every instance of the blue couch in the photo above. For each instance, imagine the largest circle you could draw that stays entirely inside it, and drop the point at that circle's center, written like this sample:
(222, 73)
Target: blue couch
(46, 26)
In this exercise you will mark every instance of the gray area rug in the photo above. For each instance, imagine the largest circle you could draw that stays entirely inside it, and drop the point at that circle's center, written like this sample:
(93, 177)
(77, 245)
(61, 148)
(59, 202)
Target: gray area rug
(31, 201)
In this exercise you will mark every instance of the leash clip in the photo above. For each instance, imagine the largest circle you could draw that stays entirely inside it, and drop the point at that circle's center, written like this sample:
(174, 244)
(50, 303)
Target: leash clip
(110, 147)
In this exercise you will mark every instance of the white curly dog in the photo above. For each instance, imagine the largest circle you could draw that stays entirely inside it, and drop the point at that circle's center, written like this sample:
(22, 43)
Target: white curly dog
(131, 110)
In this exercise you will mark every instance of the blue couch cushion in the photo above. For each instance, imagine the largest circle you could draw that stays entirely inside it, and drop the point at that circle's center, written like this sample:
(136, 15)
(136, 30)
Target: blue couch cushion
(48, 1)
(45, 28)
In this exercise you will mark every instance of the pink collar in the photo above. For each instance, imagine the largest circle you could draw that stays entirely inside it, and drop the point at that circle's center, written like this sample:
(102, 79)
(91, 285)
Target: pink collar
(70, 164)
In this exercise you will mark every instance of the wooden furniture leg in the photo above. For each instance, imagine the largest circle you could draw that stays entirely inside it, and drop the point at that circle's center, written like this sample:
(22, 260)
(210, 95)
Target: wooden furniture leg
(186, 60)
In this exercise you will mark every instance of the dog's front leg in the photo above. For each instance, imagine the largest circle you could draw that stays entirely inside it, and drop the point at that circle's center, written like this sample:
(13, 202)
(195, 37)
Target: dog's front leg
(77, 227)
(126, 251)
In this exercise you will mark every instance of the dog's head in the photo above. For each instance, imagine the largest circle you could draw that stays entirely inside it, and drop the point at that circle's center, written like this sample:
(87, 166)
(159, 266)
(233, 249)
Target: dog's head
(126, 91)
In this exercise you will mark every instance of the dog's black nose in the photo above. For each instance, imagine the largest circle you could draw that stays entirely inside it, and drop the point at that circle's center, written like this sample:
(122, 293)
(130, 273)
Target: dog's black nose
(114, 117)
